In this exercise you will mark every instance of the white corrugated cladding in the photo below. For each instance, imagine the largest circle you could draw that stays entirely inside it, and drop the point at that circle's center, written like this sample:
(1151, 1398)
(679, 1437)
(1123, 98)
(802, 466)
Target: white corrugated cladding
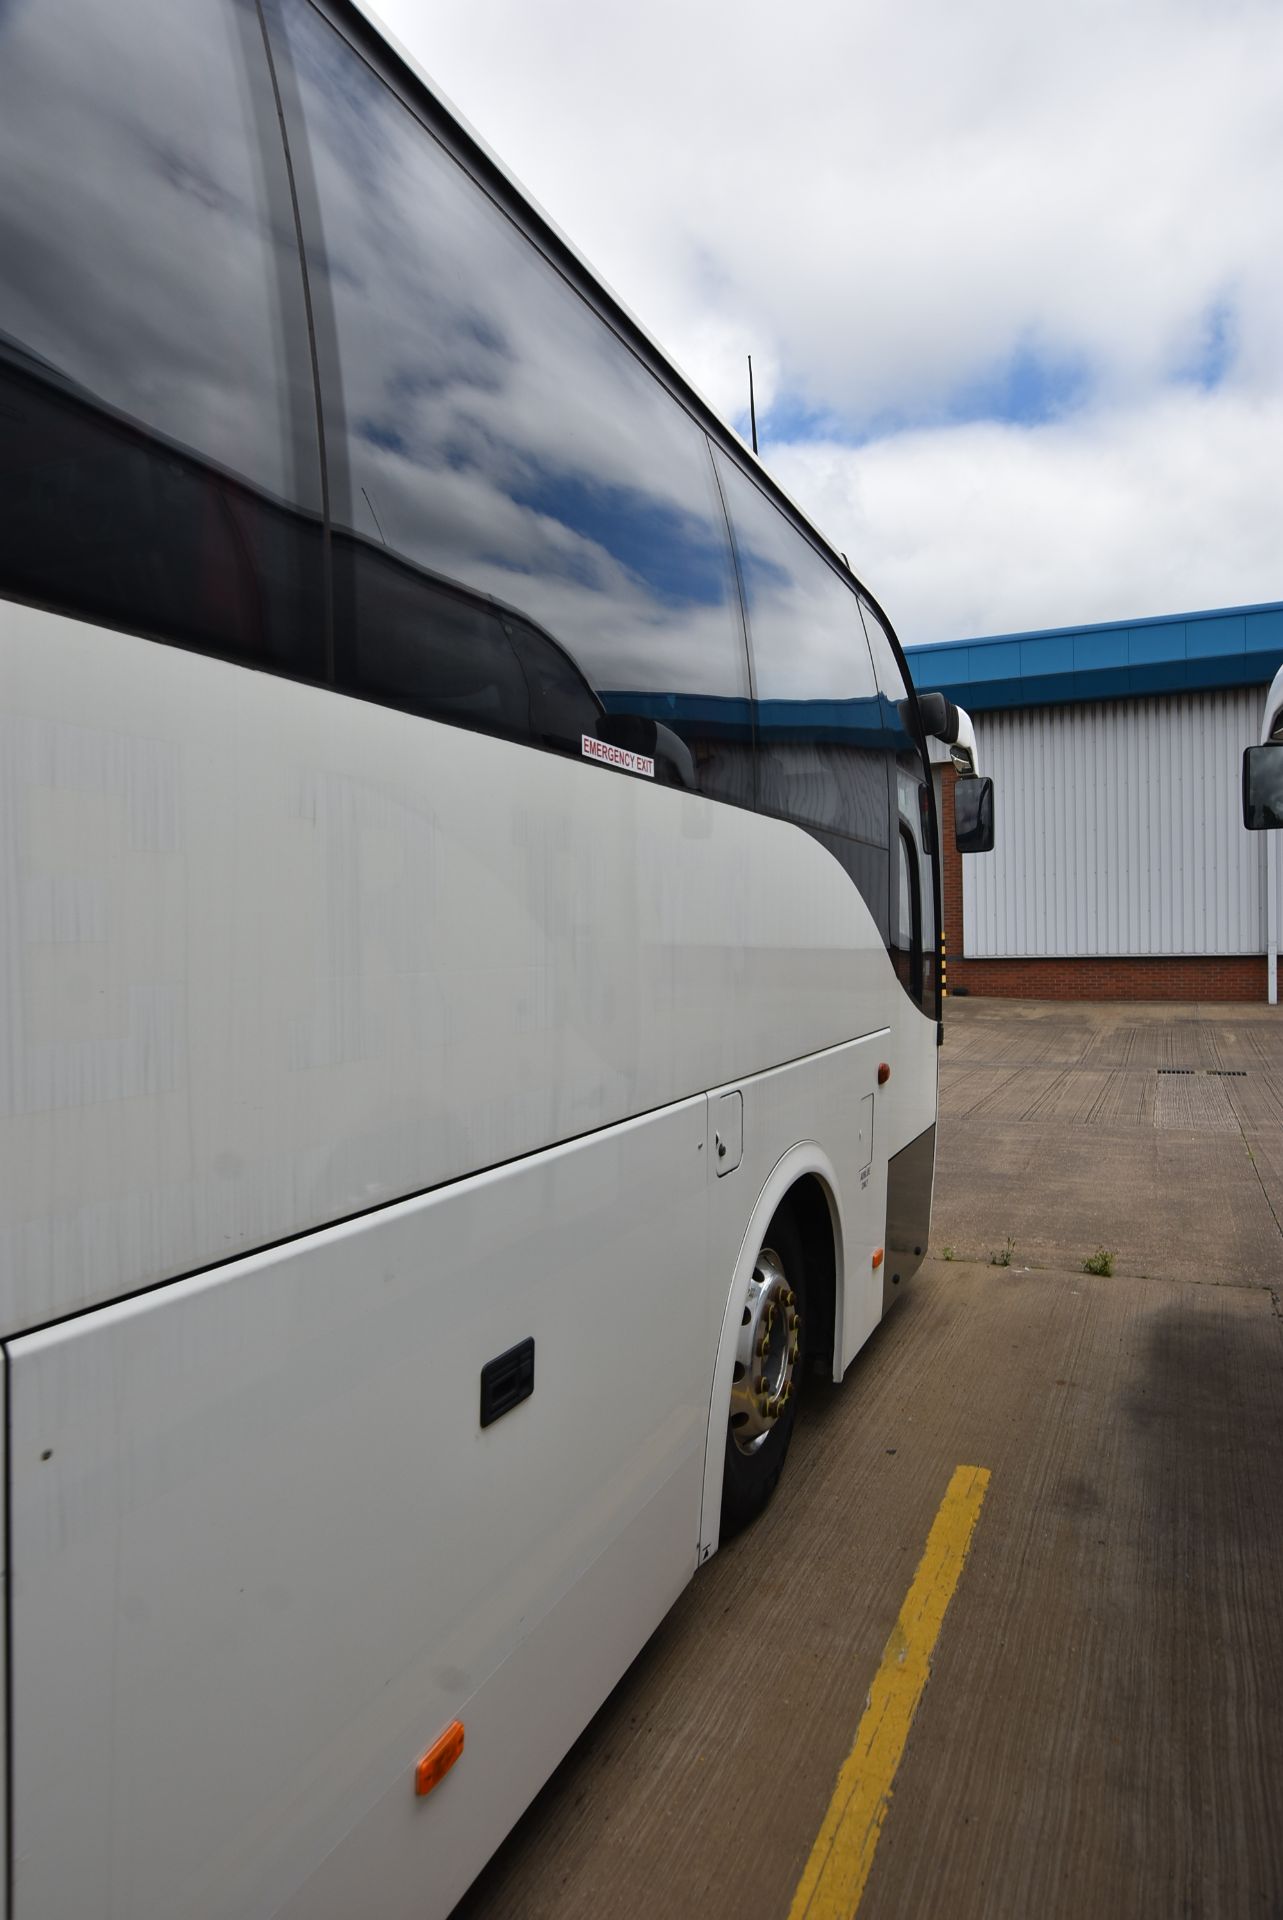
(1119, 830)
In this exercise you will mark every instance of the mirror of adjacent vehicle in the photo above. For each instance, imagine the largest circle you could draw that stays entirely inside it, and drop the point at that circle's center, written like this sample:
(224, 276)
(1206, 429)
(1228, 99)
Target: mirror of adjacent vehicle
(1263, 786)
(973, 814)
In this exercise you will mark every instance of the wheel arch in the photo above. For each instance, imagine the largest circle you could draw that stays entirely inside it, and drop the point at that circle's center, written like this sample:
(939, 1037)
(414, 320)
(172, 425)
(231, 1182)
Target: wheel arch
(805, 1170)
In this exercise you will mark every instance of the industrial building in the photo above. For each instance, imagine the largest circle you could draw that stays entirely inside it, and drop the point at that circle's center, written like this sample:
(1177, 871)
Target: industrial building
(1121, 867)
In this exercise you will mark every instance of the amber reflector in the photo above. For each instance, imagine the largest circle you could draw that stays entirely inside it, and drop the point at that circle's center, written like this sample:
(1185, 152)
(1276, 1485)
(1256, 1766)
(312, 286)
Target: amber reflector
(884, 1073)
(439, 1758)
(877, 1256)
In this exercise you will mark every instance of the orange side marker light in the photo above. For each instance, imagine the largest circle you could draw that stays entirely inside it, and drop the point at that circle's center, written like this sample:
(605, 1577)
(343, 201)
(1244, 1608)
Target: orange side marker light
(877, 1256)
(884, 1073)
(439, 1758)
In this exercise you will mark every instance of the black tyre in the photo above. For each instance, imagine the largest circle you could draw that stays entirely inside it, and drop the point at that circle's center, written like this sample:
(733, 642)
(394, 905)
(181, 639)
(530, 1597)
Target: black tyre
(767, 1375)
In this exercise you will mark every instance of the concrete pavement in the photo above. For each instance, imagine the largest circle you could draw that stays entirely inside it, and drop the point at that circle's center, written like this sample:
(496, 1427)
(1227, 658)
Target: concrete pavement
(1102, 1730)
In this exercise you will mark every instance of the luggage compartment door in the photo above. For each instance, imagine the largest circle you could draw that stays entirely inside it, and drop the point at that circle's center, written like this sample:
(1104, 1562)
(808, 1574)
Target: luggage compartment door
(277, 1526)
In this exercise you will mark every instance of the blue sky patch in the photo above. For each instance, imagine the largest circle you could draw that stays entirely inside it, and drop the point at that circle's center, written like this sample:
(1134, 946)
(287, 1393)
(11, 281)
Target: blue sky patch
(1026, 389)
(790, 418)
(1218, 343)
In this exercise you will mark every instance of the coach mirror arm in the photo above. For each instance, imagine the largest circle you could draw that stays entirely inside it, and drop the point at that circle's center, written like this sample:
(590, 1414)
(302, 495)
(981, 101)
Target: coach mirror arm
(973, 791)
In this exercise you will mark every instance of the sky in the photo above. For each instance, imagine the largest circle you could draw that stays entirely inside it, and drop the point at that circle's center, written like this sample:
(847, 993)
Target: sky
(1011, 276)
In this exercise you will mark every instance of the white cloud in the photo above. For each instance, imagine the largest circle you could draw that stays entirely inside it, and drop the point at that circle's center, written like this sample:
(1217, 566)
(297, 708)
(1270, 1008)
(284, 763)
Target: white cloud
(1123, 512)
(885, 203)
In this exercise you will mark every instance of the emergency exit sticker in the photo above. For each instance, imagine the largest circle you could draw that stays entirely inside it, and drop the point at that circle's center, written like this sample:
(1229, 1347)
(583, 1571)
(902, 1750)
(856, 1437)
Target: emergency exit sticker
(595, 749)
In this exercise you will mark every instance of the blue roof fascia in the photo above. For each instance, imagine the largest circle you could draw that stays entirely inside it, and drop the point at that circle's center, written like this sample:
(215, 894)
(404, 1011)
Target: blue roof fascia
(1227, 647)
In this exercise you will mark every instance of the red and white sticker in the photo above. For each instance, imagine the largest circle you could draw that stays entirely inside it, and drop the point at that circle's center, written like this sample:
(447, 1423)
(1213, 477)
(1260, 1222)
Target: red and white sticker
(595, 749)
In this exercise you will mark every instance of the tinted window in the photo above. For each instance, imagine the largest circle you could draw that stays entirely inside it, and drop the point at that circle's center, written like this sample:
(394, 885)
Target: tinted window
(486, 427)
(892, 689)
(914, 938)
(915, 948)
(906, 949)
(157, 420)
(821, 727)
(434, 648)
(807, 641)
(886, 667)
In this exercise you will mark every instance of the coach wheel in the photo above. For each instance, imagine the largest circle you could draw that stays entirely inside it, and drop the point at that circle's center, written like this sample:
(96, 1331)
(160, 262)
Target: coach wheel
(767, 1375)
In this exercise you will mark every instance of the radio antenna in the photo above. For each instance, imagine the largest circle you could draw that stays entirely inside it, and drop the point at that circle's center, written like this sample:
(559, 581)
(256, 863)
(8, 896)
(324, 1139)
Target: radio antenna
(374, 516)
(752, 409)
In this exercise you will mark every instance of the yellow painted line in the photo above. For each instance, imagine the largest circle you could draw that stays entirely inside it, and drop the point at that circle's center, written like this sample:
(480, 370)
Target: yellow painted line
(833, 1880)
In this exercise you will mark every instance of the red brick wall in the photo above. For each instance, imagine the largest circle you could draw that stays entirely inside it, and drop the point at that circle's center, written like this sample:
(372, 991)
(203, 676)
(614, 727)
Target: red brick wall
(1142, 977)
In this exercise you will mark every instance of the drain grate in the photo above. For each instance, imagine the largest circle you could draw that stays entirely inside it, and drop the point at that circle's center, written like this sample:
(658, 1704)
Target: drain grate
(1212, 1073)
